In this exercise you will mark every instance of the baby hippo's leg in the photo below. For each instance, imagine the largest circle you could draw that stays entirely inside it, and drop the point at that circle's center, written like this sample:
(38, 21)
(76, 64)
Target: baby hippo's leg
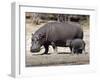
(84, 51)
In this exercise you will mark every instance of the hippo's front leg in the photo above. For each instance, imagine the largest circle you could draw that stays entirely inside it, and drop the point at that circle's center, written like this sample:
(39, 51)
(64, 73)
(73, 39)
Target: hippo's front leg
(46, 49)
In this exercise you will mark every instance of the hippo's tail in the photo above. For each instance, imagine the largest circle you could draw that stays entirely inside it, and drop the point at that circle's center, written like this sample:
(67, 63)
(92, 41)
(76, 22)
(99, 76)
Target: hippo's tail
(81, 34)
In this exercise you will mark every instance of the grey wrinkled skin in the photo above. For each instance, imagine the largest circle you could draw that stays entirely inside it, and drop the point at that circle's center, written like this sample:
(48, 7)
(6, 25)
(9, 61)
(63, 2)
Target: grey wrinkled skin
(77, 46)
(55, 34)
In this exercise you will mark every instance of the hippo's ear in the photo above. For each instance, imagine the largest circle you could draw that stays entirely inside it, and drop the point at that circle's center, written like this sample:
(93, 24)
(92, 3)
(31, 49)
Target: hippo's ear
(42, 36)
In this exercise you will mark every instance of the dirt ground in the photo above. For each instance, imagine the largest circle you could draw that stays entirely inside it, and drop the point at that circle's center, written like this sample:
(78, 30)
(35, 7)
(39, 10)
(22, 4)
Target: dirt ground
(63, 57)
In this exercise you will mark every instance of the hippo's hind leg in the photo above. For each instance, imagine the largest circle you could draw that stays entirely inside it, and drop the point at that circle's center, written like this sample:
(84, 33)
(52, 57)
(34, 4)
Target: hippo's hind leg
(54, 47)
(70, 48)
(72, 51)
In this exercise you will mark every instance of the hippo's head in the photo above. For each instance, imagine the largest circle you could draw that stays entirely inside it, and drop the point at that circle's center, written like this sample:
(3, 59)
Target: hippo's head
(36, 43)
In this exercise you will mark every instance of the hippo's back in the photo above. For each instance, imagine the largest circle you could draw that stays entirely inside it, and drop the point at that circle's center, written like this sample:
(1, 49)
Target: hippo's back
(62, 31)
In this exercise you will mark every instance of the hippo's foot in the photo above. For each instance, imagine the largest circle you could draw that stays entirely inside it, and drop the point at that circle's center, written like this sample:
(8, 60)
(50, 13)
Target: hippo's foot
(45, 53)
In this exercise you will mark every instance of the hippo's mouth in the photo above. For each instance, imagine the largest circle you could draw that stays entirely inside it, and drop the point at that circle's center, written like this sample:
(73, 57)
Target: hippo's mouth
(34, 50)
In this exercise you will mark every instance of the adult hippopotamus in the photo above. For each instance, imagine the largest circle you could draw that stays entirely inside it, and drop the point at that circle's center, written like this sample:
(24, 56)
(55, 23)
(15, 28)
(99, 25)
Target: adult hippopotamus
(55, 34)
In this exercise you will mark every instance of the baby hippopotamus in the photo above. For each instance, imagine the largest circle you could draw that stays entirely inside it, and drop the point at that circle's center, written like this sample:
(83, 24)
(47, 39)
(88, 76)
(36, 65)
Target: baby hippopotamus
(77, 46)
